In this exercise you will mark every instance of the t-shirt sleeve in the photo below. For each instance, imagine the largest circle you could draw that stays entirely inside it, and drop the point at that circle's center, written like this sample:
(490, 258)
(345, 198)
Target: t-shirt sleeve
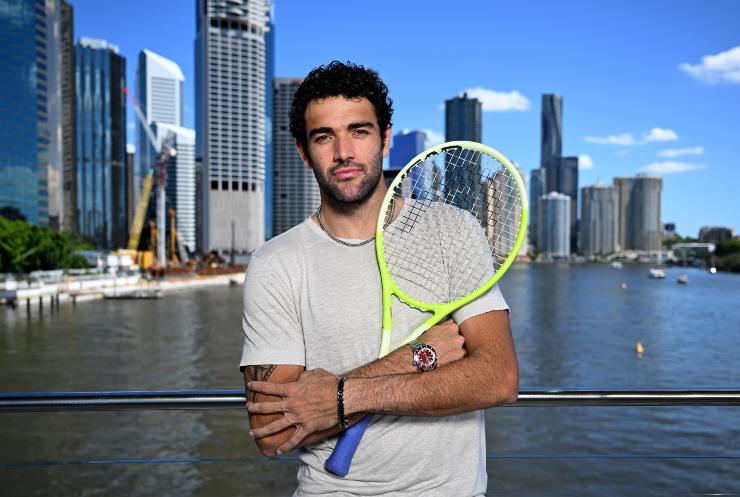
(272, 330)
(479, 251)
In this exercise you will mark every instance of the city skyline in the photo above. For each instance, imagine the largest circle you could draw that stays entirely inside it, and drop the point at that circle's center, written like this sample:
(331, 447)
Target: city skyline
(642, 104)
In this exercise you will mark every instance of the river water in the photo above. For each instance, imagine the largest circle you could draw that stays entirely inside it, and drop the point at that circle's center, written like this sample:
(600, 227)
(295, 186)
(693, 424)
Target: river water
(573, 326)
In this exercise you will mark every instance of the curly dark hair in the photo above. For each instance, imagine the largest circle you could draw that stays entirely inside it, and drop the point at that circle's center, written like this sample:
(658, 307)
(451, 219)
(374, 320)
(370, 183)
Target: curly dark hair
(337, 78)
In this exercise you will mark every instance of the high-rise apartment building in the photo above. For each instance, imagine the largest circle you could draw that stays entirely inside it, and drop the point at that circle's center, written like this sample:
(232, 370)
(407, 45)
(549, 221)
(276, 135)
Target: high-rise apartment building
(567, 171)
(69, 127)
(554, 226)
(101, 143)
(160, 89)
(269, 162)
(463, 121)
(131, 183)
(181, 179)
(551, 138)
(24, 110)
(295, 191)
(230, 56)
(599, 226)
(537, 187)
(640, 227)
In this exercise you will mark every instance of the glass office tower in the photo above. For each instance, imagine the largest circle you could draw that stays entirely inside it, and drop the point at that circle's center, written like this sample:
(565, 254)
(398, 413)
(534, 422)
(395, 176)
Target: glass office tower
(24, 129)
(101, 143)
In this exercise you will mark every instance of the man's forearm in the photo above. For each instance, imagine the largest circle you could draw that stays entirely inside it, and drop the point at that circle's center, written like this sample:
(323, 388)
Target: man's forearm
(397, 362)
(468, 384)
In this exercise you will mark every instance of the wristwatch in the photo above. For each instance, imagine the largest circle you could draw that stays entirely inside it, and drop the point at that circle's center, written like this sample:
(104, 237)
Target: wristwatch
(424, 357)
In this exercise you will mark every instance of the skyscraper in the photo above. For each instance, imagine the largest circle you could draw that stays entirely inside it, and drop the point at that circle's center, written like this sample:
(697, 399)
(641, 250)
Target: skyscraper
(24, 111)
(160, 90)
(269, 164)
(463, 121)
(180, 189)
(640, 227)
(552, 137)
(230, 122)
(406, 145)
(567, 170)
(554, 235)
(537, 184)
(101, 143)
(599, 225)
(69, 157)
(295, 191)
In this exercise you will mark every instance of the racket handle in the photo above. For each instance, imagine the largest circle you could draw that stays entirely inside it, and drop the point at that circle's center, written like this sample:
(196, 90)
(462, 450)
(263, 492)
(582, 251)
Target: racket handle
(340, 460)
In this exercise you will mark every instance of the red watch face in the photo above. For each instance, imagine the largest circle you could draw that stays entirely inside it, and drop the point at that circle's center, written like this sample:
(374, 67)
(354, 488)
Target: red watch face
(426, 357)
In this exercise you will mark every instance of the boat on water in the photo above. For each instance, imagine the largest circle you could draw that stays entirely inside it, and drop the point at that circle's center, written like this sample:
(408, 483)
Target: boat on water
(616, 265)
(683, 279)
(657, 273)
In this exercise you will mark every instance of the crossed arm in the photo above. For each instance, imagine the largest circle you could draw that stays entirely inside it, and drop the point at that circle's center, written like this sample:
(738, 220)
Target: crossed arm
(482, 374)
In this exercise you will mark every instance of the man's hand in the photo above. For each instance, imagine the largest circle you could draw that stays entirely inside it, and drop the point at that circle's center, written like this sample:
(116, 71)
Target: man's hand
(446, 340)
(309, 404)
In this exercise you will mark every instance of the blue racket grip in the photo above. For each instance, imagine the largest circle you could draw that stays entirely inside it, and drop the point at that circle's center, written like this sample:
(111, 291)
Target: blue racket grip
(340, 460)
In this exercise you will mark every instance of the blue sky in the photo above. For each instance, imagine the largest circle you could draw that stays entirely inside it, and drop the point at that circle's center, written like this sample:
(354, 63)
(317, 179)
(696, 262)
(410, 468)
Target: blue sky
(638, 92)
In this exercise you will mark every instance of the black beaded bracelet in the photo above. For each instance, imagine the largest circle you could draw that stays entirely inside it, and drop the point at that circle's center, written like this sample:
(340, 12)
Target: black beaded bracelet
(343, 420)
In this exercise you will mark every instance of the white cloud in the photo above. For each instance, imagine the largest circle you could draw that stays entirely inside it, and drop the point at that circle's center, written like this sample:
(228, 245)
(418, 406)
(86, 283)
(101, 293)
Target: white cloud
(433, 138)
(130, 126)
(585, 162)
(723, 67)
(671, 167)
(623, 139)
(496, 101)
(628, 139)
(660, 135)
(678, 152)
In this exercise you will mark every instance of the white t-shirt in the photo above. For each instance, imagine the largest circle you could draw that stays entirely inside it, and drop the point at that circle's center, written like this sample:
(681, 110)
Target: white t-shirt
(310, 301)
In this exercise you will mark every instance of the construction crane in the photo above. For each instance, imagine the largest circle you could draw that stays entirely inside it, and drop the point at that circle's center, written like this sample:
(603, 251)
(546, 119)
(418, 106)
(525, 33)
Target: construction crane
(166, 151)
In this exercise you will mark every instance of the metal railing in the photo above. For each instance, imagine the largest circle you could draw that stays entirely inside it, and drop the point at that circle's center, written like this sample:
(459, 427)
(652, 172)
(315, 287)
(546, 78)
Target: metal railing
(235, 399)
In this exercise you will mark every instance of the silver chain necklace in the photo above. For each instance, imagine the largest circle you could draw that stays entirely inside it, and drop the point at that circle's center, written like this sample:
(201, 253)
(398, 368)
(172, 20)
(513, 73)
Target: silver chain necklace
(348, 244)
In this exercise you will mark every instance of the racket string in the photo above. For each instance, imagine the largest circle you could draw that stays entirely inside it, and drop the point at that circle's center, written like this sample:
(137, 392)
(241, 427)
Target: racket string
(457, 227)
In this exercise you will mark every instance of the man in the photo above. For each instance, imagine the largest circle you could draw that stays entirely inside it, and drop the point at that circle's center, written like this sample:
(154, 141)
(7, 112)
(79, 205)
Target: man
(312, 309)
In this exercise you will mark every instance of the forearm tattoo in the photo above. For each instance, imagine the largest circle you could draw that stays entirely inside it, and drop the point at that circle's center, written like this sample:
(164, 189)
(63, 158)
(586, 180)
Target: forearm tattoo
(258, 373)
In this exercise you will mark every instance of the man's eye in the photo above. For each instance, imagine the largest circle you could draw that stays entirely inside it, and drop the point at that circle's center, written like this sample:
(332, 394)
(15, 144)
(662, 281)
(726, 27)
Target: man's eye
(361, 132)
(322, 138)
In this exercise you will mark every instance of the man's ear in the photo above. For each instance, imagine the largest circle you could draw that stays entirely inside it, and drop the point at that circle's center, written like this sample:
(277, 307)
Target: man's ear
(387, 141)
(303, 153)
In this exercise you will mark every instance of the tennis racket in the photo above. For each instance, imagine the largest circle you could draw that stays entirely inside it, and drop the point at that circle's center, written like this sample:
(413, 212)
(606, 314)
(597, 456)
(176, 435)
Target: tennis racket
(461, 214)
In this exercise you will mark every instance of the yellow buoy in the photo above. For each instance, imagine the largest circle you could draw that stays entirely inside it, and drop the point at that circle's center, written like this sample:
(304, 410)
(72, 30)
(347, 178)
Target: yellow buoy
(639, 348)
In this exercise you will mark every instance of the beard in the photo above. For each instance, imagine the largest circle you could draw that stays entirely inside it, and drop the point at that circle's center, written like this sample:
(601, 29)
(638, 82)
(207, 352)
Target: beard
(350, 195)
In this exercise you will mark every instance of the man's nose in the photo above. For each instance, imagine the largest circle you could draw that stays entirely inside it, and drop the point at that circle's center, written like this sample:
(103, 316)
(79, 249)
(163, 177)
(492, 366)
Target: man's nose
(343, 150)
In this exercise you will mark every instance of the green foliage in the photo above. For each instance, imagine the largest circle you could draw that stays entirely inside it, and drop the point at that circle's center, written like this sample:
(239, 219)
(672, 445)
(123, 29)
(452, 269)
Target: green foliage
(25, 248)
(729, 262)
(727, 247)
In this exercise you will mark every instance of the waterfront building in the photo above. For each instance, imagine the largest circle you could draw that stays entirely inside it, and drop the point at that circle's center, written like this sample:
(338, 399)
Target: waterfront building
(230, 56)
(296, 192)
(180, 189)
(551, 138)
(160, 89)
(269, 161)
(24, 110)
(554, 225)
(131, 183)
(599, 220)
(463, 121)
(639, 225)
(567, 171)
(407, 145)
(537, 188)
(69, 217)
(101, 143)
(714, 234)
(500, 208)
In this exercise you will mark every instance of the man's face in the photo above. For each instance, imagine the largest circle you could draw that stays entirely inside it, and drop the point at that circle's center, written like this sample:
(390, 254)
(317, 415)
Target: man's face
(345, 149)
